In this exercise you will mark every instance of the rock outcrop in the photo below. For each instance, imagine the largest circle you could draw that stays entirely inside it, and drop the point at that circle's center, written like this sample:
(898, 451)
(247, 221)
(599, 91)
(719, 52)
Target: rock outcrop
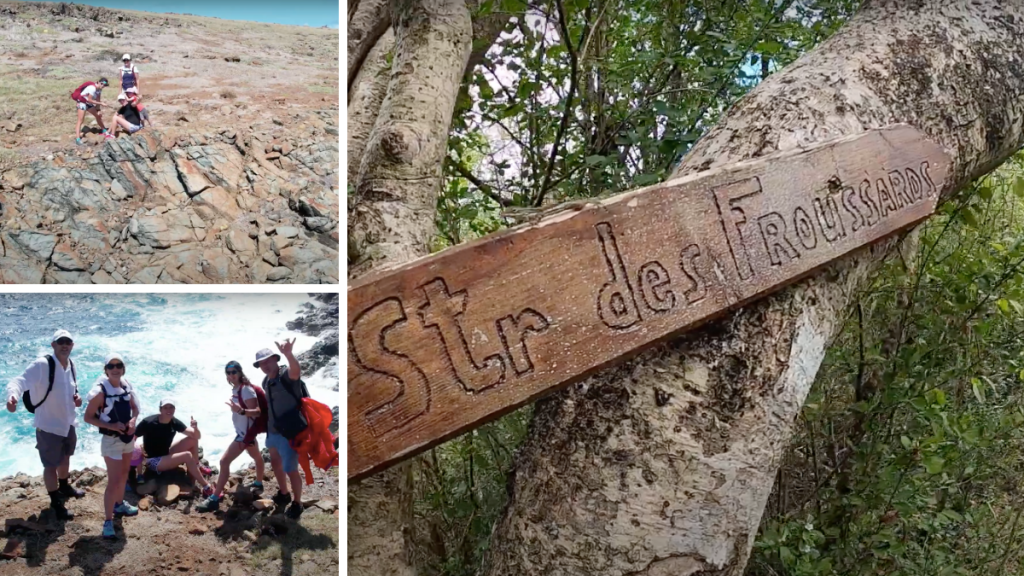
(177, 207)
(320, 321)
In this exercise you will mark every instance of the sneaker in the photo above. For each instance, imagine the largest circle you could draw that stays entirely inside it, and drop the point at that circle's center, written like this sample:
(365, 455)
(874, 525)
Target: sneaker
(207, 491)
(210, 505)
(205, 470)
(79, 141)
(282, 498)
(125, 509)
(61, 512)
(69, 491)
(108, 136)
(256, 487)
(294, 511)
(108, 530)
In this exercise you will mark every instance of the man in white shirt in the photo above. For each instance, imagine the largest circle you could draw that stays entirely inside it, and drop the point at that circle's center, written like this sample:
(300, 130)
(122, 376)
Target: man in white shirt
(54, 417)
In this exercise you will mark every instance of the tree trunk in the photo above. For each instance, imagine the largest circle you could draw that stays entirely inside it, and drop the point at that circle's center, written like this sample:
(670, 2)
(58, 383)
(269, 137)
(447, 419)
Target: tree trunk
(612, 479)
(391, 216)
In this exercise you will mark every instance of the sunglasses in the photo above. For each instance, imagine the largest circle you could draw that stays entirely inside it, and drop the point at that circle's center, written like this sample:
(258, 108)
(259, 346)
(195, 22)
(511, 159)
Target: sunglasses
(112, 366)
(64, 341)
(231, 372)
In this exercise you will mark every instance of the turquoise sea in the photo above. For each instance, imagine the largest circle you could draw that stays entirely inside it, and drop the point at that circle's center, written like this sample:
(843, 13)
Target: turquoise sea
(173, 345)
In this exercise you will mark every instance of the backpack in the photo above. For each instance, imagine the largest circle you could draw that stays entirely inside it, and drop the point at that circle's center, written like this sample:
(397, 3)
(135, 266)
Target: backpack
(258, 426)
(293, 422)
(76, 95)
(53, 369)
(127, 387)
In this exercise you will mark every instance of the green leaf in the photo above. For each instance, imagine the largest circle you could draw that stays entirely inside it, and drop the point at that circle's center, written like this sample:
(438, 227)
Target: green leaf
(979, 389)
(1004, 305)
(595, 159)
(906, 442)
(933, 464)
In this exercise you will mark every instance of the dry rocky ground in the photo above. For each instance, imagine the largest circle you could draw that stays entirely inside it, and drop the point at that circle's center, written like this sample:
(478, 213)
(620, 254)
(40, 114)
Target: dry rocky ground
(237, 182)
(247, 536)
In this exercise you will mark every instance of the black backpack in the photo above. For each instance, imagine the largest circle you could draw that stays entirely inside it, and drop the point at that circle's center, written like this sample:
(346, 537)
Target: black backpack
(291, 423)
(53, 370)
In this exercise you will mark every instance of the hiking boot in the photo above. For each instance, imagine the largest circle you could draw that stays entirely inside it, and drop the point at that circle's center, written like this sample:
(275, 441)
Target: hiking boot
(294, 511)
(108, 530)
(60, 512)
(211, 504)
(125, 509)
(282, 498)
(68, 491)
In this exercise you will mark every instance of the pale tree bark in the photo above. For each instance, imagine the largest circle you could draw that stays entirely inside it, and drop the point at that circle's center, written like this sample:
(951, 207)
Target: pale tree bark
(391, 219)
(609, 480)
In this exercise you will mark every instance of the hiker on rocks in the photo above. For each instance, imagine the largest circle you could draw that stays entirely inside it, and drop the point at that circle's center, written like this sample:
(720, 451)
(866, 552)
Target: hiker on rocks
(113, 407)
(143, 111)
(129, 75)
(127, 117)
(284, 388)
(246, 416)
(163, 454)
(49, 388)
(87, 96)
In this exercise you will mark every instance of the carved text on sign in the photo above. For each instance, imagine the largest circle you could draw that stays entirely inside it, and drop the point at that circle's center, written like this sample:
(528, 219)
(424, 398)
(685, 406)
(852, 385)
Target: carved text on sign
(445, 343)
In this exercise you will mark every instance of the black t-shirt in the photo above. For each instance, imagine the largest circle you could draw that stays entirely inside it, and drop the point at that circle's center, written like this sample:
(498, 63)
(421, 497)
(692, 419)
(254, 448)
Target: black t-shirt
(130, 113)
(279, 400)
(156, 437)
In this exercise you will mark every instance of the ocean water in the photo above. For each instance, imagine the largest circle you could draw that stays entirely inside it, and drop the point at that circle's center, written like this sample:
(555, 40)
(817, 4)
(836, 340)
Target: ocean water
(173, 345)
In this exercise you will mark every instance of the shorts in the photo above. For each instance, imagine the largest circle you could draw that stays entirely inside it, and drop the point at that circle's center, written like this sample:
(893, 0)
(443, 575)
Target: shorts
(239, 437)
(85, 106)
(112, 447)
(54, 448)
(289, 457)
(133, 128)
(152, 463)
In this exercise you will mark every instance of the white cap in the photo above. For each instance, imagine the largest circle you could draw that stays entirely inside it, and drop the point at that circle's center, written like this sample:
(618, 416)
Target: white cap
(167, 401)
(263, 355)
(126, 57)
(61, 334)
(122, 96)
(113, 356)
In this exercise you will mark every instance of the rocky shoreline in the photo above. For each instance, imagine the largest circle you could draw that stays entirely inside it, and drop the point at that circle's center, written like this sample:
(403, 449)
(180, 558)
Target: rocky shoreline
(248, 535)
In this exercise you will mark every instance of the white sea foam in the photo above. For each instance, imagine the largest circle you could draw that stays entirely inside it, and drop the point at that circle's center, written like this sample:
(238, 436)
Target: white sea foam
(178, 350)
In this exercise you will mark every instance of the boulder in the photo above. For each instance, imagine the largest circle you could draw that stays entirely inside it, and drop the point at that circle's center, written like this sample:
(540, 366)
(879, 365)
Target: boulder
(167, 494)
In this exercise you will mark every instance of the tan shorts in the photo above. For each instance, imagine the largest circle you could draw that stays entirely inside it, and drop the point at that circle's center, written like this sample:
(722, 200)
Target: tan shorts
(112, 447)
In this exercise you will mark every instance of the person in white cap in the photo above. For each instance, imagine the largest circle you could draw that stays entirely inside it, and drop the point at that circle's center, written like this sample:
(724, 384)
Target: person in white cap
(129, 75)
(127, 116)
(163, 453)
(52, 394)
(284, 388)
(113, 407)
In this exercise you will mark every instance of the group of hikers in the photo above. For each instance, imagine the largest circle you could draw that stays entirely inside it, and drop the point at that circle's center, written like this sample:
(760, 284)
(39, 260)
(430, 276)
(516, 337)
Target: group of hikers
(131, 115)
(296, 426)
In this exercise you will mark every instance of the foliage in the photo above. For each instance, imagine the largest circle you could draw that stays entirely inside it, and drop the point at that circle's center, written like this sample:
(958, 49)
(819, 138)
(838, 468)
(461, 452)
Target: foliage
(907, 457)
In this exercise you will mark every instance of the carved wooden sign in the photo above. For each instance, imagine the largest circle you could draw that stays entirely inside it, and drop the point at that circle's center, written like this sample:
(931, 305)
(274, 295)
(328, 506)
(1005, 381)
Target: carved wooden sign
(446, 343)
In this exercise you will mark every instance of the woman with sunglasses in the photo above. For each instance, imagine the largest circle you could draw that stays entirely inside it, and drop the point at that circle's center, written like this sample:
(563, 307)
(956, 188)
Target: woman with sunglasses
(244, 411)
(113, 408)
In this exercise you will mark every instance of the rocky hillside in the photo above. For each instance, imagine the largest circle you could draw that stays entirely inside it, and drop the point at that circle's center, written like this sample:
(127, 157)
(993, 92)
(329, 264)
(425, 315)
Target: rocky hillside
(237, 182)
(247, 536)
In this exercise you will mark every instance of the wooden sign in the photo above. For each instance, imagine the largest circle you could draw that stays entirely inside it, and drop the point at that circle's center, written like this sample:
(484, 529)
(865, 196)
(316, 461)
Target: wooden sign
(446, 343)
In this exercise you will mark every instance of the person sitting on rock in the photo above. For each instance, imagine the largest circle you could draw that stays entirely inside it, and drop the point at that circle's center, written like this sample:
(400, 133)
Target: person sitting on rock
(126, 117)
(284, 388)
(143, 111)
(245, 409)
(87, 99)
(113, 407)
(163, 454)
(52, 393)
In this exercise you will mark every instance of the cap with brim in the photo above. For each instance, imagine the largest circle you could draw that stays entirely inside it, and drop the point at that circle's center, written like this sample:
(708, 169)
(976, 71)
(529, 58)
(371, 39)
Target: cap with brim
(166, 402)
(126, 57)
(61, 334)
(114, 356)
(263, 355)
(122, 96)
